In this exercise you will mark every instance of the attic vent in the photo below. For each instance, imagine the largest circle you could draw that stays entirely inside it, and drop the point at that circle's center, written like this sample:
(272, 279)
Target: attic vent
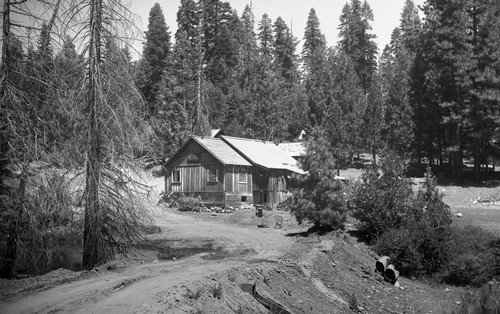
(193, 158)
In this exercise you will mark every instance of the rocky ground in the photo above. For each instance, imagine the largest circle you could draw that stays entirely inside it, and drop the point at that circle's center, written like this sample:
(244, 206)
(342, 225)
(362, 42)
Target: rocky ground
(302, 272)
(205, 263)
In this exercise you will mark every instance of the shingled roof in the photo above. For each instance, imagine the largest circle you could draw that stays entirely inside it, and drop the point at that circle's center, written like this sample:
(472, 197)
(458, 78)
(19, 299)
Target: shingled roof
(264, 154)
(219, 149)
(294, 149)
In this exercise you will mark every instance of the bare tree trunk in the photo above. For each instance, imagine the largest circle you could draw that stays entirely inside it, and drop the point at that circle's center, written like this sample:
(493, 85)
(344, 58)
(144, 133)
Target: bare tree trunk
(197, 120)
(4, 71)
(457, 162)
(5, 194)
(12, 193)
(93, 223)
(477, 160)
(197, 127)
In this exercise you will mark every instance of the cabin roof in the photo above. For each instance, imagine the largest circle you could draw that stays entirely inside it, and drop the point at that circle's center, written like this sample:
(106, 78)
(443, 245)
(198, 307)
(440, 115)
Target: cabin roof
(217, 148)
(294, 149)
(216, 132)
(264, 154)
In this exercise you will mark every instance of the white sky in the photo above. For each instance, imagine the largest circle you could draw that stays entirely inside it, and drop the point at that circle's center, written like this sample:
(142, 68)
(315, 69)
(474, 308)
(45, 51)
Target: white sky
(294, 13)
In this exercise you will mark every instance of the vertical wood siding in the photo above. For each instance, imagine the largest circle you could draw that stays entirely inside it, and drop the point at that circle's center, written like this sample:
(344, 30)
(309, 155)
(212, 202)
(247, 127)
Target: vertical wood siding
(233, 184)
(194, 172)
(227, 191)
(270, 186)
(195, 179)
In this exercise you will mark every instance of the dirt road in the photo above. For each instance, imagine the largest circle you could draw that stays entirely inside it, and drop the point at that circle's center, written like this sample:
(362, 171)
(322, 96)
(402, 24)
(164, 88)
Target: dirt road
(132, 287)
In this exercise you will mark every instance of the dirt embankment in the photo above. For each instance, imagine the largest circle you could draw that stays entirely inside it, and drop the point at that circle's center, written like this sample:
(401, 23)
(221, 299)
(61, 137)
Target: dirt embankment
(303, 273)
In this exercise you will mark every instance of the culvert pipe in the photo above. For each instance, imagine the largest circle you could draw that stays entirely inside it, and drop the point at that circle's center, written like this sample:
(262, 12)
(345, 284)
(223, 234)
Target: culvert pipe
(391, 273)
(381, 264)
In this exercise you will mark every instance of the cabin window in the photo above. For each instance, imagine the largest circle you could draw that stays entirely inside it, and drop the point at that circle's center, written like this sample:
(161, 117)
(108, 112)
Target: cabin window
(176, 176)
(213, 174)
(243, 199)
(242, 177)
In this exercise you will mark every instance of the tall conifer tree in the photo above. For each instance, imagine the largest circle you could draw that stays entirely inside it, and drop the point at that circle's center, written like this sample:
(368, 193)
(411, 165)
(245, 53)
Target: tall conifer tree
(357, 41)
(155, 56)
(315, 70)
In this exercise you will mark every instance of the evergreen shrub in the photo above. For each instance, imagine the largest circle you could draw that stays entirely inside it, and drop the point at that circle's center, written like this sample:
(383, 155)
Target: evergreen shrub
(382, 199)
(320, 198)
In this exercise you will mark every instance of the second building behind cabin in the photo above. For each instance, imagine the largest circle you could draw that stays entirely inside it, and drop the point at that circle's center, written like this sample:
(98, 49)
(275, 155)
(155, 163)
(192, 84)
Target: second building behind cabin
(272, 168)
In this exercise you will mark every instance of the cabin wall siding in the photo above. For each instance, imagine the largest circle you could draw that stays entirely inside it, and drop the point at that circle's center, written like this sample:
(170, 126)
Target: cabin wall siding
(227, 191)
(232, 183)
(238, 193)
(270, 186)
(194, 174)
(195, 179)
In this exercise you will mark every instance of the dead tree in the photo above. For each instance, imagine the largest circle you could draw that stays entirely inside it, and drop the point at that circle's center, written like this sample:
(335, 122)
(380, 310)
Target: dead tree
(93, 224)
(114, 209)
(113, 200)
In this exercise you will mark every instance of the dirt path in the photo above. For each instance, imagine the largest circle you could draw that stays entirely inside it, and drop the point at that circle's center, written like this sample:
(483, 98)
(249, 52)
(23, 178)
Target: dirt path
(133, 287)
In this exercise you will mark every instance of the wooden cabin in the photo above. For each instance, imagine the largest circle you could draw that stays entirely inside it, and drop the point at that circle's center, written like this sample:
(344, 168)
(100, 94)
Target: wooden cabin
(211, 169)
(272, 168)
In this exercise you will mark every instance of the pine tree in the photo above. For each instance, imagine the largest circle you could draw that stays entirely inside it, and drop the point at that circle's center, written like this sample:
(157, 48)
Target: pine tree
(155, 55)
(396, 63)
(114, 212)
(215, 14)
(314, 49)
(456, 35)
(266, 39)
(373, 119)
(187, 53)
(315, 73)
(248, 47)
(188, 19)
(410, 25)
(171, 123)
(357, 42)
(290, 103)
(184, 68)
(481, 77)
(319, 198)
(344, 118)
(285, 57)
(395, 66)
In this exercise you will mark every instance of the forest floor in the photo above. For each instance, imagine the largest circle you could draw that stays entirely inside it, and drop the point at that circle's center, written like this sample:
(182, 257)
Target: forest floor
(198, 262)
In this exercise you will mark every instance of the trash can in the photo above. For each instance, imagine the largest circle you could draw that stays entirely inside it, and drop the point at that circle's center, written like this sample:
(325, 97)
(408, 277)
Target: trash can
(259, 209)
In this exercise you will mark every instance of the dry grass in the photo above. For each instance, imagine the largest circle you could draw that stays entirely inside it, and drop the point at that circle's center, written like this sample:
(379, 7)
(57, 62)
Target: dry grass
(479, 205)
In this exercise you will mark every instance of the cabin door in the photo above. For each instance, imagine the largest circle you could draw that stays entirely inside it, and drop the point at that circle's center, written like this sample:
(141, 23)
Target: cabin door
(260, 197)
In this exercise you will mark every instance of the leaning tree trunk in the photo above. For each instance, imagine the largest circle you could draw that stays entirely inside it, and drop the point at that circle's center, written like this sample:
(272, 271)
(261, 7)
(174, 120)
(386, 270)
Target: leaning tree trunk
(93, 248)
